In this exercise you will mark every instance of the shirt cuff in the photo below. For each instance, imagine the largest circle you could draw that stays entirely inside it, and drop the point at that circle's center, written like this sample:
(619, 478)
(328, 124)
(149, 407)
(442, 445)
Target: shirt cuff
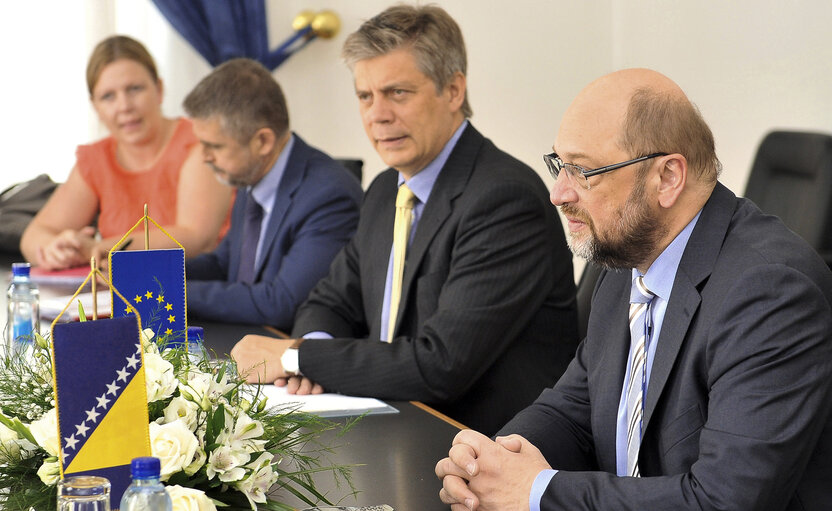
(317, 335)
(541, 482)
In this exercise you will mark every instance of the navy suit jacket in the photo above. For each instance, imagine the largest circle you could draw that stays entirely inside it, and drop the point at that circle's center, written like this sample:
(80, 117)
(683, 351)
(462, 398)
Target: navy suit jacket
(737, 409)
(487, 315)
(315, 212)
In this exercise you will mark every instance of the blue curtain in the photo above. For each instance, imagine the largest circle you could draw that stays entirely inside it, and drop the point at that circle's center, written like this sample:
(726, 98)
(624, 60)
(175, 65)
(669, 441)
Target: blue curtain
(224, 29)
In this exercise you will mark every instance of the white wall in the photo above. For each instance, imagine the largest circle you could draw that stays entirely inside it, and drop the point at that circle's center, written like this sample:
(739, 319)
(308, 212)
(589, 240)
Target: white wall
(750, 65)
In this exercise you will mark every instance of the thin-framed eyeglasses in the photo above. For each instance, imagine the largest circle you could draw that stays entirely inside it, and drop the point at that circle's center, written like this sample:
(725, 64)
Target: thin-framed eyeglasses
(580, 174)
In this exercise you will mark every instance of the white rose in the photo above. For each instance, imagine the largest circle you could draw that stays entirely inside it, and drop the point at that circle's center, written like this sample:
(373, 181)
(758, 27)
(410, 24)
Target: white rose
(189, 499)
(9, 446)
(227, 464)
(45, 431)
(49, 472)
(6, 434)
(161, 382)
(181, 409)
(174, 445)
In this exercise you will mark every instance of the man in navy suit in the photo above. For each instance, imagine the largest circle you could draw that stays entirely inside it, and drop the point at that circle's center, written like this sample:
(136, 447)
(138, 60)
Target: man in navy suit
(295, 206)
(486, 318)
(730, 363)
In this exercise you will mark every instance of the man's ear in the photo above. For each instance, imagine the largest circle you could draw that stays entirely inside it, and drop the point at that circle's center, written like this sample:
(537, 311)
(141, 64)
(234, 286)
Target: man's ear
(673, 175)
(456, 91)
(263, 141)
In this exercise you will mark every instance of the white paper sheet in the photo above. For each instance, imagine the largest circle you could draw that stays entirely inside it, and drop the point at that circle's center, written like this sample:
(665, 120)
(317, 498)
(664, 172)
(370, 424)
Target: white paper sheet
(51, 307)
(326, 405)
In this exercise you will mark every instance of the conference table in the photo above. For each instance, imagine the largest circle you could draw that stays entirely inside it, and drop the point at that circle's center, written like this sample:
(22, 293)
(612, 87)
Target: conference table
(392, 455)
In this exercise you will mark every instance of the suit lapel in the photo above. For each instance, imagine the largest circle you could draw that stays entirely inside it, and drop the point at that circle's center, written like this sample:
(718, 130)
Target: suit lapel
(696, 265)
(613, 333)
(375, 244)
(449, 185)
(289, 183)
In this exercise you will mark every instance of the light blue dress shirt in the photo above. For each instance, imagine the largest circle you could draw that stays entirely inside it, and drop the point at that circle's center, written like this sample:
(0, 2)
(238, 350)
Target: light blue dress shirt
(421, 185)
(658, 279)
(265, 190)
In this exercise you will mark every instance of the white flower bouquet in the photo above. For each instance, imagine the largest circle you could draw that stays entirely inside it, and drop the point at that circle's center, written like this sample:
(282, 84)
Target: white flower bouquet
(218, 444)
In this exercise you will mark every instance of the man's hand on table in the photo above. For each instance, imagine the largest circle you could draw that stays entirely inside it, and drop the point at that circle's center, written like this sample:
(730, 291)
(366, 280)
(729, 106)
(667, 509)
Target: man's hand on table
(299, 385)
(258, 359)
(481, 474)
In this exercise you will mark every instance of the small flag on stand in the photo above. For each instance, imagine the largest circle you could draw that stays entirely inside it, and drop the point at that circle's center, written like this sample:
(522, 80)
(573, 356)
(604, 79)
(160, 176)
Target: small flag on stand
(101, 398)
(154, 283)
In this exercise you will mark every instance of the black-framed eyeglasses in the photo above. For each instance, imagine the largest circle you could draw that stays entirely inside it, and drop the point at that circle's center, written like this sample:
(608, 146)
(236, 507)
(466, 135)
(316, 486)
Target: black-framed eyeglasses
(580, 174)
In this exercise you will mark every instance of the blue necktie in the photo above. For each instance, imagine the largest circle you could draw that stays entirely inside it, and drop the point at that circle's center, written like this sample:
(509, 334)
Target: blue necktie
(640, 298)
(251, 235)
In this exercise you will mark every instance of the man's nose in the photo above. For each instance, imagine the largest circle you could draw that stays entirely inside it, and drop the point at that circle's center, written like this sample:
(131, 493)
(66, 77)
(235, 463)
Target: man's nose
(563, 191)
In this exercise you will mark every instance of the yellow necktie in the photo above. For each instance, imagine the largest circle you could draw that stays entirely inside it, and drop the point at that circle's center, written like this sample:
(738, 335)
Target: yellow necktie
(401, 235)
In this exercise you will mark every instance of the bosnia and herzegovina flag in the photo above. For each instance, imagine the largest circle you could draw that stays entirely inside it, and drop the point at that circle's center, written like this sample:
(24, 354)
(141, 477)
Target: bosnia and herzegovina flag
(101, 399)
(154, 283)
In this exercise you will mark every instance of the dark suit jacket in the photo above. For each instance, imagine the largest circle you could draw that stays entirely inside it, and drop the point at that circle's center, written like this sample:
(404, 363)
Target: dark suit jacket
(315, 212)
(737, 409)
(487, 315)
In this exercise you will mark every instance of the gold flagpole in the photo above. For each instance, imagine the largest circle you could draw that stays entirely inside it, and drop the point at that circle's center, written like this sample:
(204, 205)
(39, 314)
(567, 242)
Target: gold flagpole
(146, 231)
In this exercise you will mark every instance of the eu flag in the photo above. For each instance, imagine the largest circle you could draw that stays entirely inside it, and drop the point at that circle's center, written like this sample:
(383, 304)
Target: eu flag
(101, 399)
(153, 281)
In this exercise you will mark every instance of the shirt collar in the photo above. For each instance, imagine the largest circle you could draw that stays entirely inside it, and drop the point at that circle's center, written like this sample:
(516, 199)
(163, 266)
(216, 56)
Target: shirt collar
(265, 190)
(422, 183)
(661, 274)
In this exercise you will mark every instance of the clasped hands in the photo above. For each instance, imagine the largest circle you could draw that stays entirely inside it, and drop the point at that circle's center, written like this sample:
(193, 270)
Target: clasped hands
(489, 475)
(258, 360)
(72, 248)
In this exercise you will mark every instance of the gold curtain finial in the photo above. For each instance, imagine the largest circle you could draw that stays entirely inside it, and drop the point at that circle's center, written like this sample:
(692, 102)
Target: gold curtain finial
(326, 24)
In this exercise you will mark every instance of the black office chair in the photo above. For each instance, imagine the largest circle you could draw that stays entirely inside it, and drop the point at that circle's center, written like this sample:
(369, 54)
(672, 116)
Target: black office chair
(356, 167)
(792, 178)
(586, 285)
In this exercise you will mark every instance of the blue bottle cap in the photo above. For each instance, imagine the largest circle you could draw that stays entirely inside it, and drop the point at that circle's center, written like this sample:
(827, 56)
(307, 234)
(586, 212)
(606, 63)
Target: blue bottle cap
(195, 334)
(20, 269)
(145, 468)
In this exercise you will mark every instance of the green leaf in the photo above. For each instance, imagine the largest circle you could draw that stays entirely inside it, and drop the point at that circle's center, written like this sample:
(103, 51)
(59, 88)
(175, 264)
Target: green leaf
(81, 315)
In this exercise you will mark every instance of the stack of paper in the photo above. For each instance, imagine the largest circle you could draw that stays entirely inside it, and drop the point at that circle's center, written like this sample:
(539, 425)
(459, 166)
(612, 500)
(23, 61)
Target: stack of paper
(51, 307)
(325, 405)
(70, 276)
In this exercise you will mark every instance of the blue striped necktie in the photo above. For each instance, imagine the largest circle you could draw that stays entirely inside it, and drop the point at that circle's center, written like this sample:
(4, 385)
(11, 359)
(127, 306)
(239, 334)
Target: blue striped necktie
(640, 298)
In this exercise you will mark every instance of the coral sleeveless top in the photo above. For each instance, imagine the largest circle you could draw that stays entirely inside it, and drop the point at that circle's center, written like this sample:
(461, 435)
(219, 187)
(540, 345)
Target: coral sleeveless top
(122, 194)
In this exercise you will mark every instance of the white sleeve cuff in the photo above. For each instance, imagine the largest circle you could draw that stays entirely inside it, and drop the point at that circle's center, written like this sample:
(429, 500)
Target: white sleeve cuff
(539, 488)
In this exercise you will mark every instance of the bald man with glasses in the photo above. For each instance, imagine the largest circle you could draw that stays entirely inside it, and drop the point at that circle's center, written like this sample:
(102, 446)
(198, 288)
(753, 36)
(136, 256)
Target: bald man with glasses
(704, 380)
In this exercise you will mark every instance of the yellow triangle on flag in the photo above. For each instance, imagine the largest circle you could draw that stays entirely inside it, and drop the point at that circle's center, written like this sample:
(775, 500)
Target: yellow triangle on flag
(121, 435)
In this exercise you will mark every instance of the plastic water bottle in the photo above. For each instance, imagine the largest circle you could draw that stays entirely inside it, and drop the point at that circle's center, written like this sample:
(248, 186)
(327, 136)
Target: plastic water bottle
(145, 493)
(23, 301)
(196, 349)
(196, 345)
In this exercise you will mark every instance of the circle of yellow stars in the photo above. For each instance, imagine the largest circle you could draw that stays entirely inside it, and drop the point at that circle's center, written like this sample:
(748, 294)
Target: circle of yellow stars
(161, 299)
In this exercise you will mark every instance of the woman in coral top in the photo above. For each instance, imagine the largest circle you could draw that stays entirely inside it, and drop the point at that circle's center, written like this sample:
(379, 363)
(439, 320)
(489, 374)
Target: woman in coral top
(147, 159)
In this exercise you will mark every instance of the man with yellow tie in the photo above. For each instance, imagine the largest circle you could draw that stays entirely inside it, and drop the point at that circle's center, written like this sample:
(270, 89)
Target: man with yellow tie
(457, 289)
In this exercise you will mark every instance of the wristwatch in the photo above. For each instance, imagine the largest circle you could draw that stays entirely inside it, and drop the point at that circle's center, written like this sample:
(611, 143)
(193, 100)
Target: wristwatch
(289, 359)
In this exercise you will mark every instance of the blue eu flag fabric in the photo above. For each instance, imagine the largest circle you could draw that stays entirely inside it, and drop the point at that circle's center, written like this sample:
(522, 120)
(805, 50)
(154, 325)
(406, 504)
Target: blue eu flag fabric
(153, 281)
(102, 399)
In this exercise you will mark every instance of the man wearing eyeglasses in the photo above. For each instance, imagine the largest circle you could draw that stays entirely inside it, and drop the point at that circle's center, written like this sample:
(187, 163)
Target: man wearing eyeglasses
(704, 379)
